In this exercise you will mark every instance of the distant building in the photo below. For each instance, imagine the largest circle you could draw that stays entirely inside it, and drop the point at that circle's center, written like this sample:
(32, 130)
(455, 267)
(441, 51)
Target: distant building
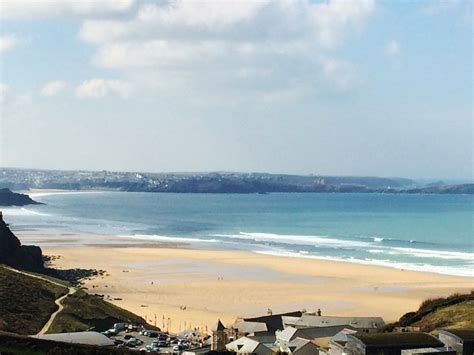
(362, 324)
(388, 343)
(338, 341)
(319, 335)
(460, 340)
(247, 345)
(300, 346)
(260, 326)
(219, 337)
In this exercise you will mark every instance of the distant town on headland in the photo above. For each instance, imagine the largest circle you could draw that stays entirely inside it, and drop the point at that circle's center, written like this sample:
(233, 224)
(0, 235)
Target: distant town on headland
(219, 182)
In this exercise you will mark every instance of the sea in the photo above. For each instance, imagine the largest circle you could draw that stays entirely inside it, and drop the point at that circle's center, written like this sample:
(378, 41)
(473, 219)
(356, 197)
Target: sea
(422, 232)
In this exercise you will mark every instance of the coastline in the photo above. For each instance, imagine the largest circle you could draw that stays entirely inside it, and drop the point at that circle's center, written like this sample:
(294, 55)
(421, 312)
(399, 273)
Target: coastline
(161, 278)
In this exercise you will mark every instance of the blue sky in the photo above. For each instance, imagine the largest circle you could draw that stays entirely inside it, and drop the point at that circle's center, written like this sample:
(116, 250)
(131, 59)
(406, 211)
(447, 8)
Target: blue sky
(323, 87)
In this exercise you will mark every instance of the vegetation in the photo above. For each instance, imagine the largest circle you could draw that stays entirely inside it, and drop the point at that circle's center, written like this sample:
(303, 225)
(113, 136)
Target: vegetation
(455, 311)
(83, 311)
(457, 316)
(25, 302)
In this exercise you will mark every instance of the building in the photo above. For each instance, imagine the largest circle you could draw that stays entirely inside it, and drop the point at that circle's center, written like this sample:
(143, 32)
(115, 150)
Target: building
(300, 346)
(88, 338)
(460, 340)
(338, 341)
(429, 351)
(219, 337)
(362, 324)
(246, 345)
(388, 343)
(319, 335)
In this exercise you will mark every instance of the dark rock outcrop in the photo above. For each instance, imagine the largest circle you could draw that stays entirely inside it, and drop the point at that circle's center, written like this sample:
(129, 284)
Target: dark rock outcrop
(10, 198)
(12, 253)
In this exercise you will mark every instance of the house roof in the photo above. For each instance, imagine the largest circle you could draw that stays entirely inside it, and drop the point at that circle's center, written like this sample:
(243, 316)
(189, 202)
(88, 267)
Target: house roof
(297, 344)
(325, 321)
(274, 321)
(397, 340)
(89, 338)
(430, 351)
(466, 335)
(250, 327)
(290, 333)
(218, 326)
(244, 345)
(342, 335)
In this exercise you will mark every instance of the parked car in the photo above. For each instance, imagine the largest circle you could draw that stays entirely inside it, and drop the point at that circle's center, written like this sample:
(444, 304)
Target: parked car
(133, 342)
(110, 332)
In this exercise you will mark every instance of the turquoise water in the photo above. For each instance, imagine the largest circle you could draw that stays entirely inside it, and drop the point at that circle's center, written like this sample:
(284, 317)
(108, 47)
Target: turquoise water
(418, 232)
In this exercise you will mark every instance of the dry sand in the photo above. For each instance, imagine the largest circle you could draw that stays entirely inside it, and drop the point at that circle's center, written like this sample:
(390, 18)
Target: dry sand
(159, 281)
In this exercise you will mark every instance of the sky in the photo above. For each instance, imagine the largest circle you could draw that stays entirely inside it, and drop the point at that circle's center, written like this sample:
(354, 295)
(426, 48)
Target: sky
(337, 87)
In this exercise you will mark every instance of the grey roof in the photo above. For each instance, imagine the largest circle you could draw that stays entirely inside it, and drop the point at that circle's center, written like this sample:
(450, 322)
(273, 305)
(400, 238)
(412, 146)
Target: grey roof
(218, 326)
(89, 338)
(466, 335)
(396, 340)
(297, 343)
(245, 345)
(342, 335)
(250, 327)
(442, 350)
(326, 321)
(291, 333)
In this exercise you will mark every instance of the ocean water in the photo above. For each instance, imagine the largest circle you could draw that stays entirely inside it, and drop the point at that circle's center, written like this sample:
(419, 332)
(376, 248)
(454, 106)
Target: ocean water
(431, 233)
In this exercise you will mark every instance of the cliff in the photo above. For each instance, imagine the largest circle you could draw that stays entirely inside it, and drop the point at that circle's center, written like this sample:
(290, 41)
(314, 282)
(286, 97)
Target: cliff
(10, 198)
(18, 256)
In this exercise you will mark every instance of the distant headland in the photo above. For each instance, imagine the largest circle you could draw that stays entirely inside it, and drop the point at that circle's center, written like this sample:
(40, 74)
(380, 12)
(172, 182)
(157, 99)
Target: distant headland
(10, 198)
(219, 182)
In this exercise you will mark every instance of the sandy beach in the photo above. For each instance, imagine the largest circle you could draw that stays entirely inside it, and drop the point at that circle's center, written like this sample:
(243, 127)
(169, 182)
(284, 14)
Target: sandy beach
(158, 281)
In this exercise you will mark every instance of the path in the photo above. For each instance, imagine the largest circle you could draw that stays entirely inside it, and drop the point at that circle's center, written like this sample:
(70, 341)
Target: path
(58, 301)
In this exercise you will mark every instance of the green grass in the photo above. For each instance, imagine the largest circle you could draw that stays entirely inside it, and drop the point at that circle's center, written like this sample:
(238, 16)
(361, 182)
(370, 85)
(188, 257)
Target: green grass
(460, 315)
(25, 302)
(83, 311)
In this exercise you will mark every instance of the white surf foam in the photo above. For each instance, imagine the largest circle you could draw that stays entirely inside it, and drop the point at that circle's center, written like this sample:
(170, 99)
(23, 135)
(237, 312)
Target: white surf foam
(437, 254)
(313, 240)
(164, 238)
(444, 270)
(42, 194)
(22, 211)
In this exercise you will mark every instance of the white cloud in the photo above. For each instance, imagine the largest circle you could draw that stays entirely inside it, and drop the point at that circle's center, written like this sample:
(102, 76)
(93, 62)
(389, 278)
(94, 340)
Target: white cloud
(53, 88)
(392, 48)
(334, 18)
(30, 9)
(190, 44)
(8, 42)
(4, 90)
(340, 74)
(99, 88)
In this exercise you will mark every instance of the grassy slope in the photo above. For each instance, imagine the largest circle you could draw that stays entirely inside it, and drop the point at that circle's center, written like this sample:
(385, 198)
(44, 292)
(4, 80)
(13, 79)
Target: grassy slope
(83, 311)
(460, 315)
(26, 303)
(455, 311)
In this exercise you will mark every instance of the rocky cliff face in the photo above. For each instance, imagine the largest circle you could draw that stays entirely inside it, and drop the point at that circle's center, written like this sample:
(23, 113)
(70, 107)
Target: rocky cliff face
(18, 256)
(10, 198)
